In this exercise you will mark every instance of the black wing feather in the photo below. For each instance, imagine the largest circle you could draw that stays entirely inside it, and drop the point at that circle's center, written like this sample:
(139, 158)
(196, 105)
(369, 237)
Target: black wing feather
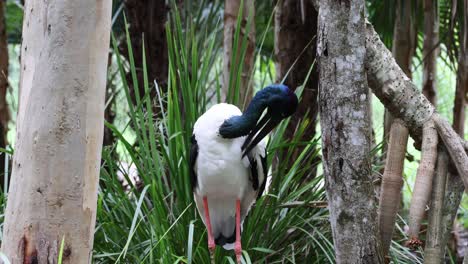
(256, 184)
(193, 160)
(265, 171)
(253, 172)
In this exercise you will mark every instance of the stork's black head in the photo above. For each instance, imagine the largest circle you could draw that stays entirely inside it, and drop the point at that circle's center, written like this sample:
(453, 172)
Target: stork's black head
(279, 101)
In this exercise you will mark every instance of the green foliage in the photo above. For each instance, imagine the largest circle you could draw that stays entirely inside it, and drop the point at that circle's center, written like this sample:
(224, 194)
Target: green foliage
(60, 256)
(159, 222)
(14, 21)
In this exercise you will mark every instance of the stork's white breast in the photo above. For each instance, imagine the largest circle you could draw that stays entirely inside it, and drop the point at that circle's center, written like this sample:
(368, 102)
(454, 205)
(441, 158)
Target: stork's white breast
(221, 172)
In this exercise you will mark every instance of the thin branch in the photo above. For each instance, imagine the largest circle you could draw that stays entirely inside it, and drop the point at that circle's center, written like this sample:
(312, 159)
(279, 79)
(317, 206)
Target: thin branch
(454, 147)
(311, 204)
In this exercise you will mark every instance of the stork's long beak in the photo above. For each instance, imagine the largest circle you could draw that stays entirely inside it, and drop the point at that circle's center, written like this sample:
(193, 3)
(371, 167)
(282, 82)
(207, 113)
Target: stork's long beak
(264, 126)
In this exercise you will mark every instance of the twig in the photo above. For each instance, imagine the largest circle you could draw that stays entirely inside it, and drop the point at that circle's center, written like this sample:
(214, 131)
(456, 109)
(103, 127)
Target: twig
(311, 204)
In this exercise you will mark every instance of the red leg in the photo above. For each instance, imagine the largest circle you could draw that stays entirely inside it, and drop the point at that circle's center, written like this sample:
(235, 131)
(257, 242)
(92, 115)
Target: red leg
(237, 245)
(211, 244)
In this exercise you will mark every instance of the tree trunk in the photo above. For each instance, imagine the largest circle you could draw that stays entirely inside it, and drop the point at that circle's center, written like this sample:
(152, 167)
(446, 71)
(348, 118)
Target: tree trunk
(430, 49)
(452, 199)
(147, 21)
(465, 259)
(233, 63)
(434, 249)
(59, 131)
(404, 36)
(455, 187)
(295, 48)
(403, 48)
(4, 112)
(462, 77)
(346, 131)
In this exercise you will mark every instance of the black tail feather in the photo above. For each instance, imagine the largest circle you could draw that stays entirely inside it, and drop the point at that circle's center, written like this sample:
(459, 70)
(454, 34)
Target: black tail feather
(221, 240)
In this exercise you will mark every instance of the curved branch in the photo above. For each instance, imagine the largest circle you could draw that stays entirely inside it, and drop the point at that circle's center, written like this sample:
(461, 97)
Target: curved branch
(393, 88)
(402, 98)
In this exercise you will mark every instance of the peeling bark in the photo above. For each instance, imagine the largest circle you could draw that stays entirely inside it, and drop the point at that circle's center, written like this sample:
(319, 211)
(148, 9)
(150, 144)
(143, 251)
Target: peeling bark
(430, 49)
(346, 131)
(56, 165)
(392, 182)
(295, 49)
(433, 252)
(231, 12)
(424, 177)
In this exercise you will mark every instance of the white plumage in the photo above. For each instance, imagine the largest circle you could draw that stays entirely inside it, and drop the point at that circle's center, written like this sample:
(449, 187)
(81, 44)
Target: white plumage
(222, 175)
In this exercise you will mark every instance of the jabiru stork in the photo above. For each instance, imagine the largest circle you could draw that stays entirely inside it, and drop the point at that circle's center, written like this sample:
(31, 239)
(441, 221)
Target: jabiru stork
(228, 161)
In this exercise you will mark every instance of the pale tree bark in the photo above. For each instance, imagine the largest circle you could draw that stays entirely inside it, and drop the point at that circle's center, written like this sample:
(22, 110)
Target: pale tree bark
(393, 88)
(392, 182)
(295, 49)
(424, 178)
(231, 63)
(403, 48)
(4, 112)
(346, 131)
(423, 183)
(434, 246)
(147, 20)
(59, 131)
(430, 49)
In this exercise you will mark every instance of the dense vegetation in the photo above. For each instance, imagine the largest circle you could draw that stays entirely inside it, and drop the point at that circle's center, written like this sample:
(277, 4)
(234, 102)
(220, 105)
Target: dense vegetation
(154, 220)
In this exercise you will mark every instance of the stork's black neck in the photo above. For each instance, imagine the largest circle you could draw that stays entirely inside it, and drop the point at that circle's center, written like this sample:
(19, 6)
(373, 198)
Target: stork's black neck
(238, 126)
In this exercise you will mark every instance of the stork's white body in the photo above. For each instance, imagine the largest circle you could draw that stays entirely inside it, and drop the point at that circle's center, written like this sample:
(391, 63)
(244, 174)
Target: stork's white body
(223, 176)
